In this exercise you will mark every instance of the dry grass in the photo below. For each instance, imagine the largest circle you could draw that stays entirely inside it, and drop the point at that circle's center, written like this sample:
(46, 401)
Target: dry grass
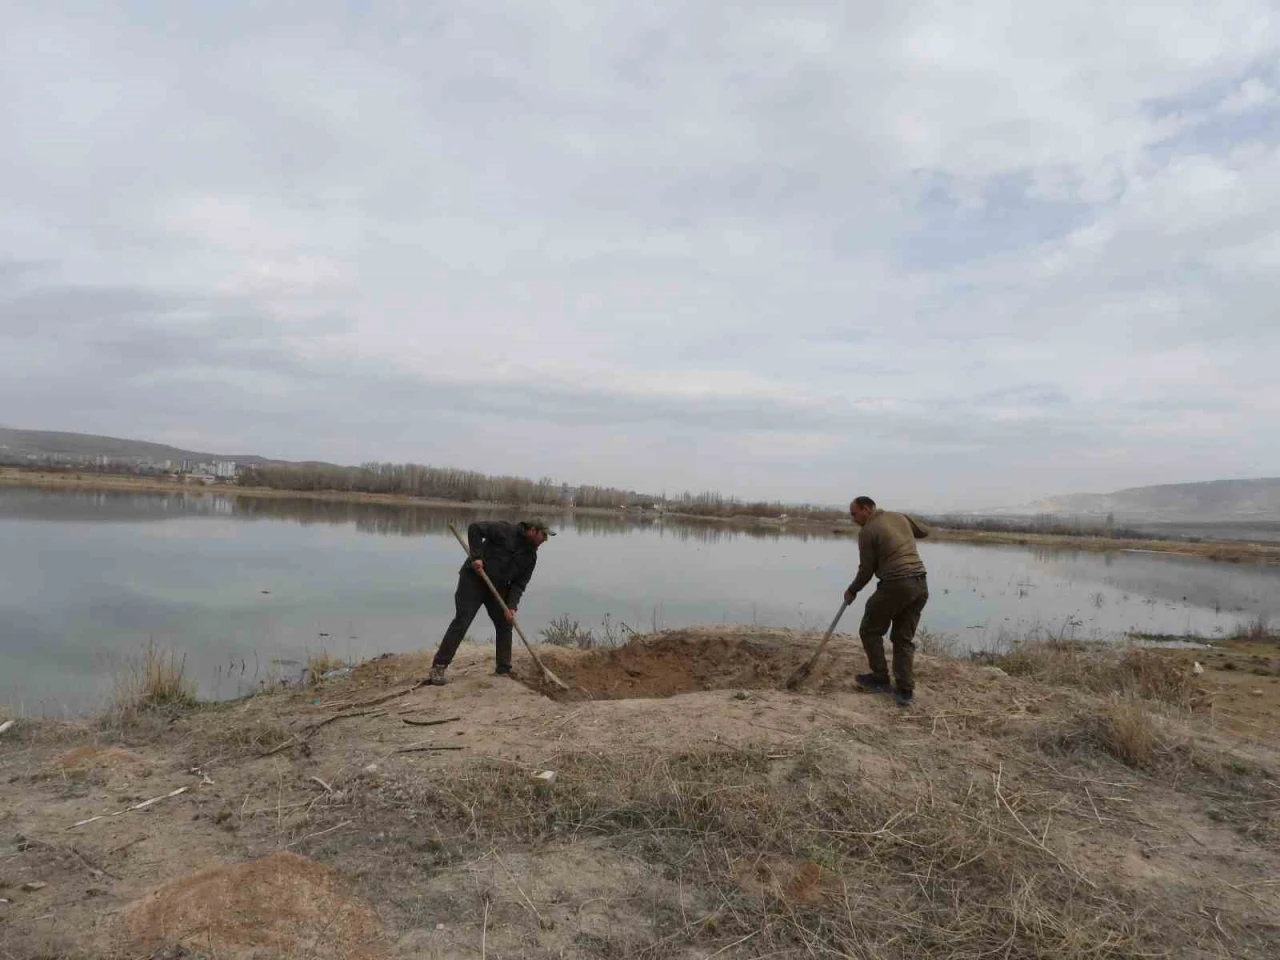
(946, 645)
(1233, 788)
(1105, 670)
(155, 681)
(216, 733)
(1257, 630)
(565, 632)
(922, 868)
(1121, 727)
(321, 662)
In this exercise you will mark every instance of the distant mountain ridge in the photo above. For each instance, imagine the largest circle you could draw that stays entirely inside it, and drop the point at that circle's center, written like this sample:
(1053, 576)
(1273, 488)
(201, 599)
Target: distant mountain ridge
(1213, 500)
(23, 443)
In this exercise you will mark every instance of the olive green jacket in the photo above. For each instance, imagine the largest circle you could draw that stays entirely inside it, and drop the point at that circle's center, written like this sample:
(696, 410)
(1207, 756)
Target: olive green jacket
(887, 548)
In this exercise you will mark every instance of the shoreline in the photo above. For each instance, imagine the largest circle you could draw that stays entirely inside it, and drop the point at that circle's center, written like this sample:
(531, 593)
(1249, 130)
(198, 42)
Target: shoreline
(1226, 551)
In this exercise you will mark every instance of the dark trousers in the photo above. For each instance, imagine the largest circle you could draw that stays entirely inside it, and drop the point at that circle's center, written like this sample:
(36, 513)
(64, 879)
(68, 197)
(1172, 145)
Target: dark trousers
(470, 596)
(896, 604)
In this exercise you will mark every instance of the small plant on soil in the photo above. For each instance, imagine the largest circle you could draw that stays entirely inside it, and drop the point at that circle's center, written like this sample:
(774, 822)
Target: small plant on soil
(155, 681)
(937, 644)
(564, 632)
(320, 663)
(1256, 629)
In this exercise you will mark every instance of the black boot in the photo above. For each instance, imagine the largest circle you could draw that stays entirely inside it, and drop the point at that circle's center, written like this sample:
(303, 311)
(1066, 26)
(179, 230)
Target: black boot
(873, 682)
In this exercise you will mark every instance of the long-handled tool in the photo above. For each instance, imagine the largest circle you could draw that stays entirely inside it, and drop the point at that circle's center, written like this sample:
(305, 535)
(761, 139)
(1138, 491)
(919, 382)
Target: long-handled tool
(546, 671)
(806, 668)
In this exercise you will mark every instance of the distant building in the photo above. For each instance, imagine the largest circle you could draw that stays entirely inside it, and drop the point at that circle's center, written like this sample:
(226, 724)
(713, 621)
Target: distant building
(224, 469)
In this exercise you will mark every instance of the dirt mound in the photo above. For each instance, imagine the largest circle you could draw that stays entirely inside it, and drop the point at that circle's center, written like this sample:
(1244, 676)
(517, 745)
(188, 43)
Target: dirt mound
(98, 757)
(281, 905)
(680, 661)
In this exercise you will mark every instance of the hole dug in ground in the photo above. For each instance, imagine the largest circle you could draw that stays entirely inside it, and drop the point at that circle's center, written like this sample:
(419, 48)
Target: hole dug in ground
(682, 661)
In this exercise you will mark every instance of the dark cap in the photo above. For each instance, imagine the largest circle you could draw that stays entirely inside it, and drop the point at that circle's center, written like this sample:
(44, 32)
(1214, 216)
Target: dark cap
(538, 523)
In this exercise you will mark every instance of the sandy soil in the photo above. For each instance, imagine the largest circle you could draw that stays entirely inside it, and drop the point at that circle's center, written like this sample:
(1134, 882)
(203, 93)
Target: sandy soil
(341, 822)
(1243, 677)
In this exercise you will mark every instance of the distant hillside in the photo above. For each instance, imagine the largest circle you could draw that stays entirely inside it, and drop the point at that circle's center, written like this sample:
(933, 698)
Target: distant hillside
(1216, 500)
(23, 443)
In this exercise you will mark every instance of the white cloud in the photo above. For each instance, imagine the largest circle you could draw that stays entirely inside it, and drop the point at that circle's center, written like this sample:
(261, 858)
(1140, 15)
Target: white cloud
(1251, 94)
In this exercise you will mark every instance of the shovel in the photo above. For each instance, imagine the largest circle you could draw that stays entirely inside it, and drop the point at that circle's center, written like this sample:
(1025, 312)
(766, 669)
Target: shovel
(806, 668)
(546, 671)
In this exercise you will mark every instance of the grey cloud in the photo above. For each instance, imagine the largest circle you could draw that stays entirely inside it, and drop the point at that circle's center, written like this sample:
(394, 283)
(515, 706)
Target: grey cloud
(136, 348)
(50, 311)
(16, 269)
(1030, 395)
(463, 231)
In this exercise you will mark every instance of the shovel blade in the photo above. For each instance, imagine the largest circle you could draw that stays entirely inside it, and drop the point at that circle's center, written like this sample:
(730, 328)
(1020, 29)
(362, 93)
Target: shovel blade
(800, 674)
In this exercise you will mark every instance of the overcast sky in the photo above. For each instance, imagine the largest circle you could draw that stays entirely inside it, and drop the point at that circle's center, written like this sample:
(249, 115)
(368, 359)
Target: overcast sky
(947, 254)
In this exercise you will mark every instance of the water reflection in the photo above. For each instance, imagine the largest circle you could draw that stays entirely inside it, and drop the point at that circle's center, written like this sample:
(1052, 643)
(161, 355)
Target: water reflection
(381, 519)
(107, 506)
(418, 519)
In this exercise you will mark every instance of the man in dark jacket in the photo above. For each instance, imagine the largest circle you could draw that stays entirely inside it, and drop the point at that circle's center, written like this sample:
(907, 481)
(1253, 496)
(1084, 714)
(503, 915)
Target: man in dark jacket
(507, 552)
(887, 549)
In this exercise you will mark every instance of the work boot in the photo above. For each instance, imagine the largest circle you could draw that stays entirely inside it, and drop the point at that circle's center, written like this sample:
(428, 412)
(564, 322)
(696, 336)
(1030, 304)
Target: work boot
(904, 697)
(502, 671)
(873, 682)
(436, 677)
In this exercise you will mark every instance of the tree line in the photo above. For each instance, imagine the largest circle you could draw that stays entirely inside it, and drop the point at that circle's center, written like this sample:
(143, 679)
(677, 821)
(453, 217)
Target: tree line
(471, 486)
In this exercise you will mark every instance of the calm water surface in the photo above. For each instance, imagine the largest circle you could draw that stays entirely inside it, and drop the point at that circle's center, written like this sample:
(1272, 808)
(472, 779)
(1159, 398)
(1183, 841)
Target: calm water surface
(246, 588)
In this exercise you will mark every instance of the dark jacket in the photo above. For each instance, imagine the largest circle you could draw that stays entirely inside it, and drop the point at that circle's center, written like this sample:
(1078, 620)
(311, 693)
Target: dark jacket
(508, 556)
(886, 548)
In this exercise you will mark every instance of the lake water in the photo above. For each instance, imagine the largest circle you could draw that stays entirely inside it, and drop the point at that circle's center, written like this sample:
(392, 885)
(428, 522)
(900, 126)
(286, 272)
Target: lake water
(245, 588)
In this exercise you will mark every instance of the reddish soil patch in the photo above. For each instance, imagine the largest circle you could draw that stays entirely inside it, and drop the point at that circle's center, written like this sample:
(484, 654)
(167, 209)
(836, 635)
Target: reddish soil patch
(796, 881)
(283, 905)
(85, 757)
(672, 663)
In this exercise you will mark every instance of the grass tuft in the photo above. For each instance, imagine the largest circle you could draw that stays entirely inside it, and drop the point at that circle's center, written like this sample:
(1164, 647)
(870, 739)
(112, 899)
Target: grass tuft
(1105, 670)
(320, 663)
(154, 682)
(1258, 630)
(944, 645)
(1121, 727)
(564, 632)
(1233, 788)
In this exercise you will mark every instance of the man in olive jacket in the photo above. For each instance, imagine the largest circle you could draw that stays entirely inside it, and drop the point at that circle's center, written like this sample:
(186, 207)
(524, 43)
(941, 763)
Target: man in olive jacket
(887, 549)
(507, 552)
